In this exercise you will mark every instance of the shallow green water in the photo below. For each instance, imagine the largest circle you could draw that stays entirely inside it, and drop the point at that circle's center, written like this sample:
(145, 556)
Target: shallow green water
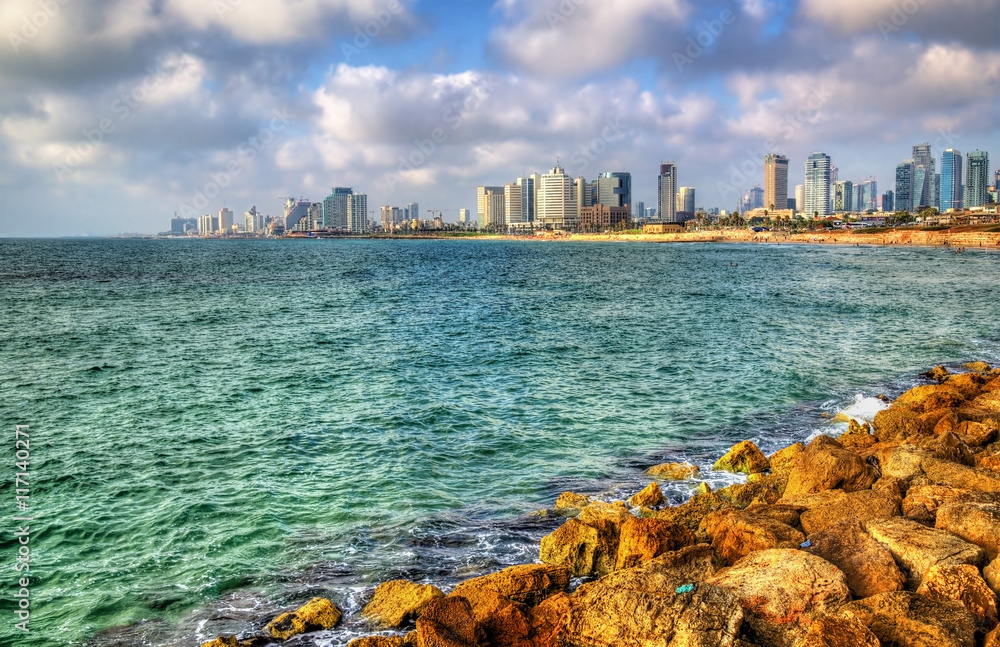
(222, 428)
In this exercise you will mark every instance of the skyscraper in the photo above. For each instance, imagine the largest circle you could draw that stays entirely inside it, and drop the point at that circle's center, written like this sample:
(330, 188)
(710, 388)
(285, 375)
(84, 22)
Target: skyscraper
(529, 196)
(413, 211)
(614, 189)
(977, 176)
(923, 178)
(357, 213)
(225, 220)
(685, 200)
(800, 197)
(512, 207)
(904, 186)
(315, 216)
(296, 214)
(480, 201)
(843, 196)
(666, 192)
(640, 210)
(951, 179)
(775, 182)
(493, 212)
(866, 195)
(335, 208)
(817, 187)
(556, 207)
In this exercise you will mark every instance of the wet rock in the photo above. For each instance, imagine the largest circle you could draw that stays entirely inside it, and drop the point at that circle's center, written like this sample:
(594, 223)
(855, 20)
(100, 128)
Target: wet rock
(572, 545)
(649, 496)
(736, 534)
(962, 583)
(397, 602)
(571, 501)
(526, 584)
(833, 506)
(743, 457)
(643, 539)
(838, 631)
(917, 548)
(256, 640)
(448, 622)
(895, 423)
(782, 590)
(826, 465)
(857, 437)
(978, 367)
(640, 606)
(674, 471)
(922, 502)
(868, 566)
(783, 459)
(906, 619)
(938, 374)
(314, 615)
(977, 523)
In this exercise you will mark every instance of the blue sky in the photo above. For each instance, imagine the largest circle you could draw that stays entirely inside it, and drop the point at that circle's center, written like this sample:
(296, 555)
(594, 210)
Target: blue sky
(114, 114)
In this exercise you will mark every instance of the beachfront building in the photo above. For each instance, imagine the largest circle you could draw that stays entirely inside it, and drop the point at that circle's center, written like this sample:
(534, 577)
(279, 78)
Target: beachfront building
(225, 221)
(951, 179)
(977, 175)
(817, 186)
(556, 208)
(923, 178)
(887, 201)
(412, 211)
(357, 213)
(512, 204)
(208, 224)
(775, 182)
(904, 186)
(800, 197)
(296, 214)
(481, 201)
(493, 212)
(666, 184)
(843, 197)
(614, 189)
(866, 195)
(335, 208)
(600, 217)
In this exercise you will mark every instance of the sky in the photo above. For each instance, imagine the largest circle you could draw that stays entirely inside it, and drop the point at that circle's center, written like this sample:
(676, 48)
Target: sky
(115, 114)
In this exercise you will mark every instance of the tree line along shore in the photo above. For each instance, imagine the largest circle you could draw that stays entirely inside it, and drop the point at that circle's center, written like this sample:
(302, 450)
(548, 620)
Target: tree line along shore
(888, 535)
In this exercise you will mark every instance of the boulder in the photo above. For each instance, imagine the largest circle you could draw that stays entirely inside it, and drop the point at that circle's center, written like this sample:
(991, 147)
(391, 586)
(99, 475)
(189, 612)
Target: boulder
(989, 462)
(917, 548)
(868, 566)
(783, 459)
(930, 397)
(904, 619)
(904, 462)
(571, 501)
(833, 506)
(838, 631)
(736, 534)
(649, 496)
(759, 488)
(378, 641)
(947, 422)
(641, 606)
(643, 539)
(977, 523)
(991, 573)
(976, 434)
(397, 602)
(826, 465)
(988, 401)
(895, 423)
(783, 589)
(572, 545)
(526, 584)
(962, 583)
(978, 367)
(314, 615)
(255, 640)
(502, 621)
(992, 639)
(607, 519)
(938, 374)
(922, 501)
(949, 447)
(690, 513)
(674, 471)
(743, 457)
(952, 474)
(968, 384)
(448, 622)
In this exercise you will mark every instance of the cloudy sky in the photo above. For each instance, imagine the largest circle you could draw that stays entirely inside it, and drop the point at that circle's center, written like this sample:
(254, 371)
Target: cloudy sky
(114, 114)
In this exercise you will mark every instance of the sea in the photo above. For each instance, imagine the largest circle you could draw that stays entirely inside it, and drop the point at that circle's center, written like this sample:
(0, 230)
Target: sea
(220, 430)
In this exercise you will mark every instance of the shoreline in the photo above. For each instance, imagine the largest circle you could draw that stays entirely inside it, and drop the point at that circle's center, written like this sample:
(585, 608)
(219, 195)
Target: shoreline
(848, 541)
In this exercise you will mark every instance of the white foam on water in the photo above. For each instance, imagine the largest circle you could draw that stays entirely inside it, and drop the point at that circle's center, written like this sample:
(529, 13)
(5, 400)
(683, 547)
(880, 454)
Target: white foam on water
(864, 408)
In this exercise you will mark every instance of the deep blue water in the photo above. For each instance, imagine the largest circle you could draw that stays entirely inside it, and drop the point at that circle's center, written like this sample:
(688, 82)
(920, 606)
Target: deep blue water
(220, 429)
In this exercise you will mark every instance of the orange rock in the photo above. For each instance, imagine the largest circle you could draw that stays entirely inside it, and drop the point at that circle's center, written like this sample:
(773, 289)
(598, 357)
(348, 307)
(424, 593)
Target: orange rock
(643, 539)
(868, 566)
(968, 384)
(448, 622)
(783, 459)
(736, 534)
(743, 457)
(316, 614)
(895, 423)
(824, 509)
(927, 398)
(826, 465)
(975, 522)
(526, 584)
(378, 641)
(650, 496)
(922, 501)
(674, 471)
(573, 545)
(399, 601)
(992, 639)
(961, 582)
(976, 434)
(910, 620)
(571, 501)
(916, 548)
(838, 631)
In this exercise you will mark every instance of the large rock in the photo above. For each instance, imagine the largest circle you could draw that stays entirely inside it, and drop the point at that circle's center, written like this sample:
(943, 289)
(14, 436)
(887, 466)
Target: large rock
(826, 465)
(916, 548)
(784, 459)
(397, 602)
(922, 501)
(314, 615)
(968, 384)
(743, 457)
(992, 639)
(962, 583)
(736, 534)
(952, 474)
(527, 584)
(640, 606)
(643, 539)
(572, 545)
(929, 398)
(903, 619)
(674, 471)
(571, 501)
(379, 641)
(783, 589)
(256, 640)
(691, 513)
(991, 573)
(607, 519)
(976, 434)
(989, 401)
(977, 523)
(838, 631)
(827, 508)
(868, 566)
(895, 423)
(448, 622)
(650, 496)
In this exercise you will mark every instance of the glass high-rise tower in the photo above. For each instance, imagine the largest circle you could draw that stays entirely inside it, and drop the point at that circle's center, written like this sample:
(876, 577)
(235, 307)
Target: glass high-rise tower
(977, 176)
(666, 185)
(817, 187)
(951, 179)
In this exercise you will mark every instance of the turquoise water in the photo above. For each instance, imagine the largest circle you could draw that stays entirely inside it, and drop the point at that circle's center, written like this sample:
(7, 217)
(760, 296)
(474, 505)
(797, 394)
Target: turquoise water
(221, 429)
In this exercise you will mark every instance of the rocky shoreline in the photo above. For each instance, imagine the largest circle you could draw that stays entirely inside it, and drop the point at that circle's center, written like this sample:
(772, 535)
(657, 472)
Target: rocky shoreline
(886, 535)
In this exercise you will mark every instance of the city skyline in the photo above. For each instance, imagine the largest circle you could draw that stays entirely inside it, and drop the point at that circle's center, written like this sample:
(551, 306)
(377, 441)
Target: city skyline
(119, 117)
